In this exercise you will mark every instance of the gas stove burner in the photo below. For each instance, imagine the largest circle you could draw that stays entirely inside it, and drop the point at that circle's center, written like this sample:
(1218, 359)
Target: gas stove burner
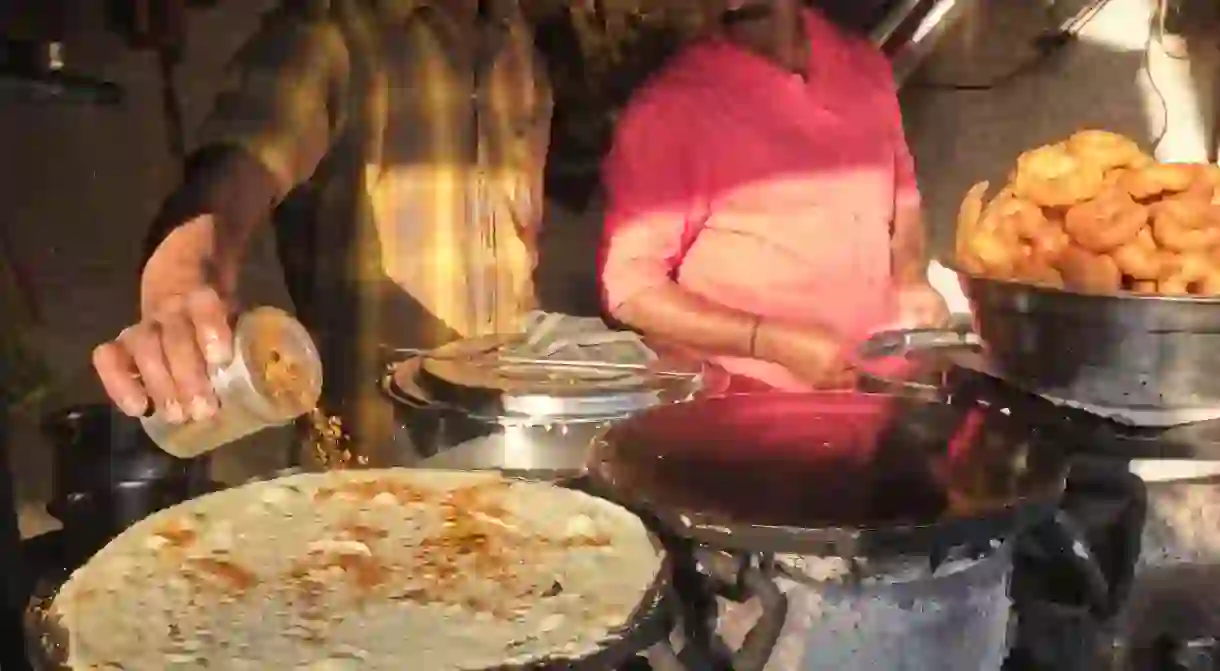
(952, 366)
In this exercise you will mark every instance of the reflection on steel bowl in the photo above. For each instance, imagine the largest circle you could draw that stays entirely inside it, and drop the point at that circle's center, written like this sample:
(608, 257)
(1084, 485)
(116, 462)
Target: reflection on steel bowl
(1122, 351)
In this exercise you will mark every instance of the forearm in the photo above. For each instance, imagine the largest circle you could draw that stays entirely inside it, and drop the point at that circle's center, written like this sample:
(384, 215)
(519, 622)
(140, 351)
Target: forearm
(908, 246)
(674, 316)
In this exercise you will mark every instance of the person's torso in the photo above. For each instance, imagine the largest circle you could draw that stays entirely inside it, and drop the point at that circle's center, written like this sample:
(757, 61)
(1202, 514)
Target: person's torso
(800, 177)
(453, 191)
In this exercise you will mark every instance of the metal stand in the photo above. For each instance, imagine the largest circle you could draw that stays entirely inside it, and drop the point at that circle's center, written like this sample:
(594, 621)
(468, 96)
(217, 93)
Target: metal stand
(13, 585)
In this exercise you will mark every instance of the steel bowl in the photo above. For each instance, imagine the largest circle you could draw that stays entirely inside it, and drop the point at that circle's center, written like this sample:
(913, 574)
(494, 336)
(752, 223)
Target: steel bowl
(448, 435)
(1114, 351)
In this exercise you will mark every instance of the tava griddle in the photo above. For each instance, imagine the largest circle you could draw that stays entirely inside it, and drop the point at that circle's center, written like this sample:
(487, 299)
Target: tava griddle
(833, 473)
(951, 365)
(647, 629)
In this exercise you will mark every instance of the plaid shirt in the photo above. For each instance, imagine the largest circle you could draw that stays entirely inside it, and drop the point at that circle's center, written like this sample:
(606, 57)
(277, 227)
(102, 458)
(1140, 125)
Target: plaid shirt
(417, 144)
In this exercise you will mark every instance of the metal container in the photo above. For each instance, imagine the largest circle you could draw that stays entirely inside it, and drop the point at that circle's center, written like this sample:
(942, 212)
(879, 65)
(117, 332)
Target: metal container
(1112, 351)
(897, 614)
(523, 430)
(250, 399)
(108, 475)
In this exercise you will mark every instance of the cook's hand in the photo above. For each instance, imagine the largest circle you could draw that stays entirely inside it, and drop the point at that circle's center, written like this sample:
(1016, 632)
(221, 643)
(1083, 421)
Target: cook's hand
(817, 356)
(164, 359)
(921, 306)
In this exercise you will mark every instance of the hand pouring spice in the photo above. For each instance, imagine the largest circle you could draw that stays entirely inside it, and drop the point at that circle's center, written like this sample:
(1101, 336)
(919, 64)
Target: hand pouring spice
(274, 378)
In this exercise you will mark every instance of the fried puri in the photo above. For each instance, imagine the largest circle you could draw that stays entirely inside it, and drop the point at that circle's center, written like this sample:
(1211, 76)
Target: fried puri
(1095, 214)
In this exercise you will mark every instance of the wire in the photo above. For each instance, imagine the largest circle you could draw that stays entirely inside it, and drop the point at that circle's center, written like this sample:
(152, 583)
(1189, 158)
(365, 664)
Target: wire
(1158, 29)
(1047, 44)
(1050, 43)
(1154, 39)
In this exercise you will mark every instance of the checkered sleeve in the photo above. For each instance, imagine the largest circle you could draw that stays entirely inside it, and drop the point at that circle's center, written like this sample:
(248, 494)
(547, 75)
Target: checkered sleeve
(282, 103)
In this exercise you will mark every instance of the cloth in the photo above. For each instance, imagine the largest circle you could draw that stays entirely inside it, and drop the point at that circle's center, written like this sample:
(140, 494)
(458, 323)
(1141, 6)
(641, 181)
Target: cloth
(439, 129)
(760, 189)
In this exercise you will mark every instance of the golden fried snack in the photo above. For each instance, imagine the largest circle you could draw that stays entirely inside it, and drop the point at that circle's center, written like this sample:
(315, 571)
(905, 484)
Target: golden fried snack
(993, 245)
(1157, 179)
(1095, 214)
(968, 215)
(1206, 184)
(1114, 179)
(1048, 243)
(1087, 272)
(1051, 177)
(1209, 285)
(1139, 258)
(1186, 224)
(1106, 222)
(1036, 236)
(1192, 274)
(1106, 150)
(996, 255)
(1034, 271)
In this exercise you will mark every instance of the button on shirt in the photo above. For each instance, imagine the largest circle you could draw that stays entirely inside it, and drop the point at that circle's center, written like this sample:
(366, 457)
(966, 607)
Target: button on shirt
(762, 190)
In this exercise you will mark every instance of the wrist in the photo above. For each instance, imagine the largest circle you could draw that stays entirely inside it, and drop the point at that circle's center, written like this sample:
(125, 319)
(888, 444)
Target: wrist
(767, 340)
(912, 282)
(908, 251)
(752, 344)
(911, 272)
(186, 260)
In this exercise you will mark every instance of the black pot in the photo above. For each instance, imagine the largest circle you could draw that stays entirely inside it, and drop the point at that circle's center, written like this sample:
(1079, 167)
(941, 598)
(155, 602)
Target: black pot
(108, 475)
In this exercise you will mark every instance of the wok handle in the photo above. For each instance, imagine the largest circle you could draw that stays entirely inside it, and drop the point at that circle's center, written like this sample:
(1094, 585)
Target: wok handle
(741, 582)
(872, 354)
(386, 385)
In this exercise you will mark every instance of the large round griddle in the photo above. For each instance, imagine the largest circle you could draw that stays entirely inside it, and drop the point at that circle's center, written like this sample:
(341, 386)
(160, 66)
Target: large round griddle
(833, 473)
(468, 375)
(646, 628)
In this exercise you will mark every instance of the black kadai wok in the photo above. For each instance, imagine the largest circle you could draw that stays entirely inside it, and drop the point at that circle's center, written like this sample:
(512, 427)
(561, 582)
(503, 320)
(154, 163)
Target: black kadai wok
(833, 472)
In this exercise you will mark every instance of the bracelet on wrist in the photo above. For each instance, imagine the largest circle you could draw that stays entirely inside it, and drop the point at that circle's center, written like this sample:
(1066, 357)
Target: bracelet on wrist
(754, 328)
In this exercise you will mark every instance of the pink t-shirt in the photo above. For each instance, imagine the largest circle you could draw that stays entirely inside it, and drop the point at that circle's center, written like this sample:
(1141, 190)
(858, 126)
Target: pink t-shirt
(760, 189)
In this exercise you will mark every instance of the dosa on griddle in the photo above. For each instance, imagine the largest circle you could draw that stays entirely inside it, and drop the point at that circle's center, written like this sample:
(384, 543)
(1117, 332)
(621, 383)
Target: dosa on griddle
(380, 569)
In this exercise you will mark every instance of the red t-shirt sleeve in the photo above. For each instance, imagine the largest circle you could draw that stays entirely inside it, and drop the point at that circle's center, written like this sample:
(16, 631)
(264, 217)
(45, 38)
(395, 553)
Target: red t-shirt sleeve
(650, 201)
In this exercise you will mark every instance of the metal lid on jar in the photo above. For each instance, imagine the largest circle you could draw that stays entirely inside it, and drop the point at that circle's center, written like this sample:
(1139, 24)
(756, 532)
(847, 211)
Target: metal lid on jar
(498, 376)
